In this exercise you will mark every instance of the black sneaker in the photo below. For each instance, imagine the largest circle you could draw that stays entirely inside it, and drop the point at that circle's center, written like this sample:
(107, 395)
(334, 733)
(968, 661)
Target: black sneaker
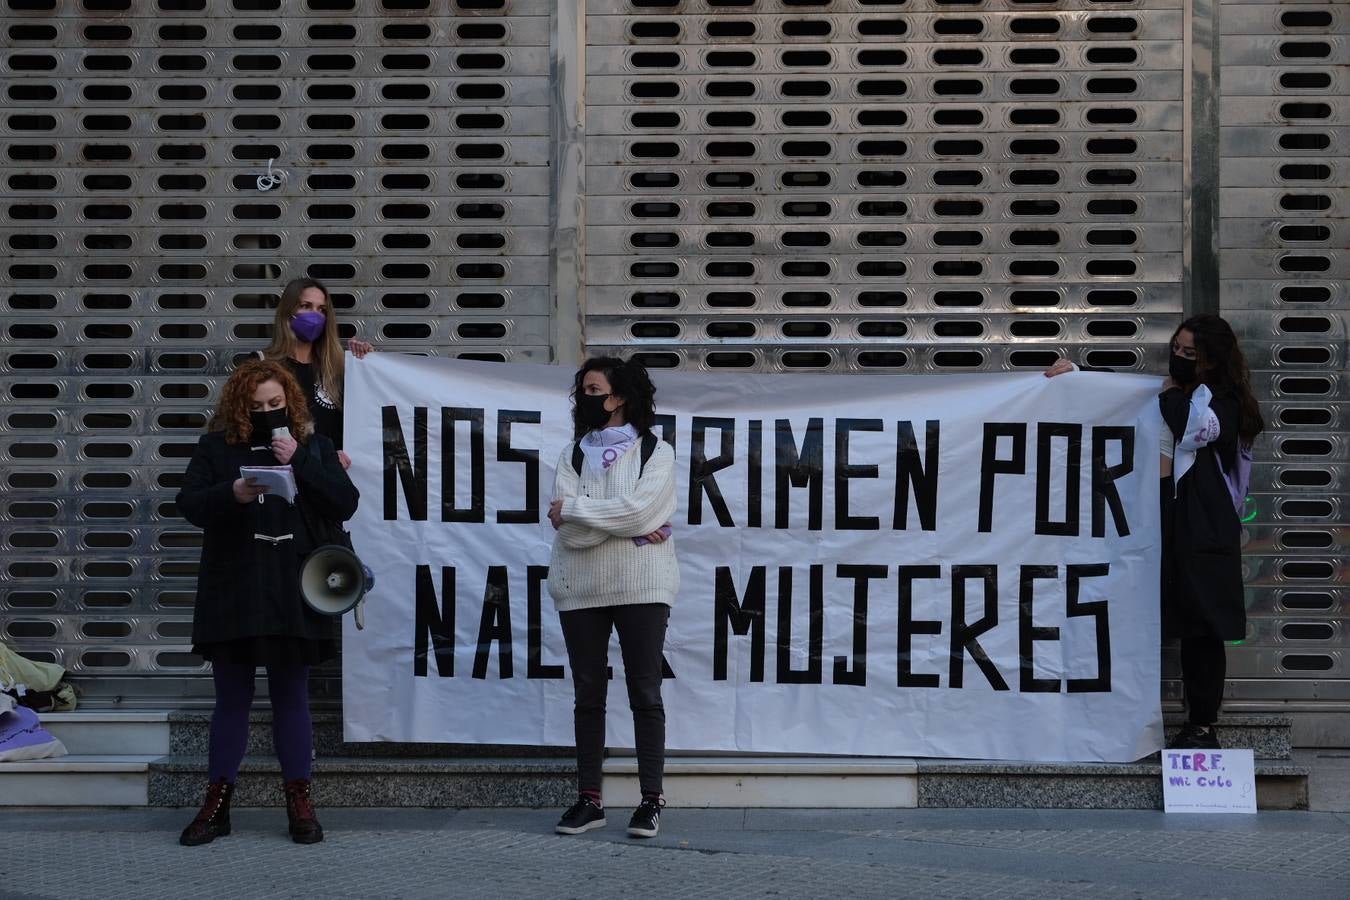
(646, 821)
(1195, 737)
(582, 817)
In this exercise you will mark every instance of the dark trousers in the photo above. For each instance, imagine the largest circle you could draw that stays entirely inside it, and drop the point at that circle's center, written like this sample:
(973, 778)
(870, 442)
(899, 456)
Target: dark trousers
(1203, 666)
(642, 634)
(292, 732)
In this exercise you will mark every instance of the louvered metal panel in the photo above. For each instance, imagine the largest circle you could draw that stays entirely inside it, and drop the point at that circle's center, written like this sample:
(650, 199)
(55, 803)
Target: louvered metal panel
(143, 260)
(783, 185)
(1284, 257)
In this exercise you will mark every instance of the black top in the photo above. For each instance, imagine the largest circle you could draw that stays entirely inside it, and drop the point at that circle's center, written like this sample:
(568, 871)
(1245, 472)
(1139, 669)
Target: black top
(248, 589)
(327, 414)
(1202, 536)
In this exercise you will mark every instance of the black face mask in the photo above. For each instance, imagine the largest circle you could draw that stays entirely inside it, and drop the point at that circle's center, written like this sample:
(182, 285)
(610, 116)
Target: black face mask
(591, 410)
(1181, 369)
(265, 421)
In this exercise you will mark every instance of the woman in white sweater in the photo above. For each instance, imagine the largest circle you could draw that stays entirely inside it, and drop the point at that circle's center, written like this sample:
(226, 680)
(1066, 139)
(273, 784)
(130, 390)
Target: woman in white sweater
(613, 567)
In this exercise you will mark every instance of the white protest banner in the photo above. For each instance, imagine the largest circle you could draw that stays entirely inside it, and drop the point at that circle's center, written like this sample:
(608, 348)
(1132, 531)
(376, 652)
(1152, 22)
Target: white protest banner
(937, 566)
(1209, 781)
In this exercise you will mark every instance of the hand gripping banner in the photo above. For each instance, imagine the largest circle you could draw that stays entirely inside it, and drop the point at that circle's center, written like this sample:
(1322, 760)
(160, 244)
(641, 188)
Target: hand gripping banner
(934, 566)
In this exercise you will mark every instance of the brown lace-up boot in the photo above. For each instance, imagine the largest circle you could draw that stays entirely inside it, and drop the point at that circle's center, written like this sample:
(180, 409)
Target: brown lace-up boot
(305, 827)
(213, 819)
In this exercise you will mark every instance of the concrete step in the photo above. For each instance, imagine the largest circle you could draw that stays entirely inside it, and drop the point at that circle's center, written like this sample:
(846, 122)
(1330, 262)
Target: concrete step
(158, 757)
(76, 780)
(723, 781)
(111, 732)
(1269, 736)
(954, 783)
(180, 780)
(190, 730)
(818, 782)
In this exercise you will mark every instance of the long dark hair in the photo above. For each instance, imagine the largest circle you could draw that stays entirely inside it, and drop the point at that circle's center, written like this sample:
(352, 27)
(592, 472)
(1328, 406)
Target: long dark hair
(1221, 365)
(628, 380)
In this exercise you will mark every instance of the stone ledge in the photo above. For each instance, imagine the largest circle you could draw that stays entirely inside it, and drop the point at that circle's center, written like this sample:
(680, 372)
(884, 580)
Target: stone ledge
(1268, 735)
(79, 763)
(982, 784)
(771, 765)
(111, 716)
(75, 780)
(1079, 769)
(380, 765)
(189, 731)
(376, 782)
(758, 782)
(104, 732)
(1238, 720)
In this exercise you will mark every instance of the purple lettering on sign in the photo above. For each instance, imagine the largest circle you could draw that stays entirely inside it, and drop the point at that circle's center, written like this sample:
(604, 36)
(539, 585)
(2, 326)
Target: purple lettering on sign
(1200, 763)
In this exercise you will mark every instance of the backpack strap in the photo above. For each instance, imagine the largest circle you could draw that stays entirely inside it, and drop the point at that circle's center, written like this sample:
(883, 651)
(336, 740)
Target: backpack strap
(645, 451)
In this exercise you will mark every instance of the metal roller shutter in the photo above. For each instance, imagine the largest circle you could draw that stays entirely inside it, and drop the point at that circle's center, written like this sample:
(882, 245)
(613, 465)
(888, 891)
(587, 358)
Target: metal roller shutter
(1285, 261)
(773, 185)
(143, 259)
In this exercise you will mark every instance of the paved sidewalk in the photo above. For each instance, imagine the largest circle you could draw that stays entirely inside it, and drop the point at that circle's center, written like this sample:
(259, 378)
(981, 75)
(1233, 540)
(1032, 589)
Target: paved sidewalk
(133, 854)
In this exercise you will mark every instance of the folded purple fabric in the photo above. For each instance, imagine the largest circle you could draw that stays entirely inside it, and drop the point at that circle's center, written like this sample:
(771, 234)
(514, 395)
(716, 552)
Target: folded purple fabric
(664, 529)
(23, 737)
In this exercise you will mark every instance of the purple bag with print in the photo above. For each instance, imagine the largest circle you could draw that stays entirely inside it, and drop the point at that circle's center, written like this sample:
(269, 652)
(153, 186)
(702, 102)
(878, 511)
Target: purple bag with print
(1240, 478)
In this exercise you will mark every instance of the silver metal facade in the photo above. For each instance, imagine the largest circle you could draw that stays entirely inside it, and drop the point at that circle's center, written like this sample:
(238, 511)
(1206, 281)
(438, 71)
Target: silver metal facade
(887, 186)
(772, 185)
(142, 258)
(1285, 260)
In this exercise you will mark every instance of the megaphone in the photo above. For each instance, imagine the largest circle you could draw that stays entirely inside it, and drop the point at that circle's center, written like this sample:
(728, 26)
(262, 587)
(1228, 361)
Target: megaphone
(333, 581)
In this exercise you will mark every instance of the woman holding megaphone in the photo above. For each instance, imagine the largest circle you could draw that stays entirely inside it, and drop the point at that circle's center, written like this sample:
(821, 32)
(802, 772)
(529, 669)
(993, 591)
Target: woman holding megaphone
(249, 611)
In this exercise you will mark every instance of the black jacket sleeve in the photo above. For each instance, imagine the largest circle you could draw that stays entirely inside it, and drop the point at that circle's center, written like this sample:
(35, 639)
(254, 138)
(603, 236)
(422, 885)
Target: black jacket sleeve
(323, 483)
(1175, 407)
(207, 496)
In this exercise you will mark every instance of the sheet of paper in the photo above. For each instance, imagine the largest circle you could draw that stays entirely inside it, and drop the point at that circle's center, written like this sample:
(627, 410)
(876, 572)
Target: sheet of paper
(279, 480)
(1209, 781)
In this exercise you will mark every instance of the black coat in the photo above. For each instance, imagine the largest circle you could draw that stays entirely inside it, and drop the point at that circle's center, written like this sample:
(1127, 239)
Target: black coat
(1202, 536)
(249, 588)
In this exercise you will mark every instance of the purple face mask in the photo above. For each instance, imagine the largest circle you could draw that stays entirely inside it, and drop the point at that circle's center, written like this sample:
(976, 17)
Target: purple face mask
(308, 325)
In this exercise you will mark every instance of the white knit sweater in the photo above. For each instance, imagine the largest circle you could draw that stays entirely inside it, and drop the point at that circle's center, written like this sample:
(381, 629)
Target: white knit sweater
(595, 562)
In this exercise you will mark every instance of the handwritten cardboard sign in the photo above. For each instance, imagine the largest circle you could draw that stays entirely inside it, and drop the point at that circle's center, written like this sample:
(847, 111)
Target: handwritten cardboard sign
(1208, 781)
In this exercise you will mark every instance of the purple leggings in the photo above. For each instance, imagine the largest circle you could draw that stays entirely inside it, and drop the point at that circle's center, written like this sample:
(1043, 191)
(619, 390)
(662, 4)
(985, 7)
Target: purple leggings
(292, 733)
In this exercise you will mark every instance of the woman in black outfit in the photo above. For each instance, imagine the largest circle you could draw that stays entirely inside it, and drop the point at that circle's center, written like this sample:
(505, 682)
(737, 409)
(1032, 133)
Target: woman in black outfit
(305, 338)
(1211, 420)
(1203, 602)
(249, 610)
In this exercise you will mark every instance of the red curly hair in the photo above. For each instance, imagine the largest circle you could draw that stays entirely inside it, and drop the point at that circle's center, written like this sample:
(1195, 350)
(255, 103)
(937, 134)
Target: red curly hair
(232, 415)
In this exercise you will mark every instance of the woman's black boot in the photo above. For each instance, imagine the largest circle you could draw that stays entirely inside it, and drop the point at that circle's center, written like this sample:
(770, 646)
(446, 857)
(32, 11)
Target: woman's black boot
(213, 819)
(305, 827)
